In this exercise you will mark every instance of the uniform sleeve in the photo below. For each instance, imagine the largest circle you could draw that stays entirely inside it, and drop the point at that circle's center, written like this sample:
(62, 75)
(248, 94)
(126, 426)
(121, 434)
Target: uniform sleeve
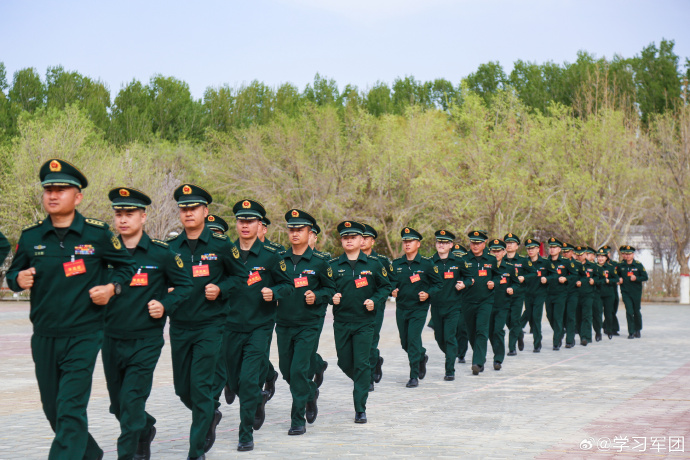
(116, 255)
(529, 272)
(575, 273)
(552, 275)
(4, 248)
(613, 275)
(465, 274)
(391, 272)
(514, 281)
(233, 269)
(643, 274)
(20, 262)
(178, 278)
(435, 280)
(326, 289)
(283, 286)
(383, 286)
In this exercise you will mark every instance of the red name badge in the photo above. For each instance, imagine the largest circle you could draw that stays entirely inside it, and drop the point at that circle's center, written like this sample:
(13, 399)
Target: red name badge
(538, 272)
(448, 275)
(629, 274)
(254, 277)
(200, 270)
(559, 271)
(302, 281)
(482, 273)
(504, 281)
(140, 279)
(361, 282)
(588, 276)
(414, 278)
(76, 267)
(606, 275)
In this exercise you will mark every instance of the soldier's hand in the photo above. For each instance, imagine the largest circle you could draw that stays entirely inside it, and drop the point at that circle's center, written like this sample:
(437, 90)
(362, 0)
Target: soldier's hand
(543, 280)
(369, 304)
(25, 278)
(171, 289)
(521, 279)
(490, 284)
(212, 291)
(578, 284)
(459, 285)
(336, 298)
(591, 281)
(620, 280)
(267, 294)
(633, 277)
(423, 296)
(156, 309)
(310, 297)
(562, 279)
(395, 293)
(100, 295)
(509, 291)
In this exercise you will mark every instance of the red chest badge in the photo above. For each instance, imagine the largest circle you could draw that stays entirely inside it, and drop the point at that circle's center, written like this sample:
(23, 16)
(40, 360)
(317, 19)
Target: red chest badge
(448, 275)
(361, 282)
(199, 271)
(538, 272)
(302, 281)
(76, 267)
(559, 271)
(254, 277)
(482, 273)
(140, 279)
(414, 278)
(504, 281)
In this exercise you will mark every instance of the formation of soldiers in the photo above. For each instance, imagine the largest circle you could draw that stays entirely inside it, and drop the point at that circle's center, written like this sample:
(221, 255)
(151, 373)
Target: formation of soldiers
(92, 290)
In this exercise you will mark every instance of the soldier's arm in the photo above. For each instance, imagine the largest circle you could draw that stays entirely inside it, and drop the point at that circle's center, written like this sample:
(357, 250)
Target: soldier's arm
(20, 262)
(176, 277)
(233, 269)
(435, 280)
(383, 287)
(284, 286)
(613, 275)
(643, 276)
(4, 248)
(552, 273)
(116, 255)
(324, 294)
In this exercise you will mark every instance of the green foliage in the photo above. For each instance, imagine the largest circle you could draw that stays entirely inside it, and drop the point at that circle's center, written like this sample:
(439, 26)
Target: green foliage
(657, 79)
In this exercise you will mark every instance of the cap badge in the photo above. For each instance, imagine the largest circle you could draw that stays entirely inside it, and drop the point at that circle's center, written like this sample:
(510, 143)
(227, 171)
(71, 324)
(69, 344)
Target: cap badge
(443, 232)
(211, 218)
(476, 233)
(124, 192)
(246, 204)
(407, 230)
(348, 224)
(55, 166)
(295, 213)
(187, 190)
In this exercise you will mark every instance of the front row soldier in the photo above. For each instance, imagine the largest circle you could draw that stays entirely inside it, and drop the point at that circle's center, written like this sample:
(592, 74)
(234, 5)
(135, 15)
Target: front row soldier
(416, 280)
(445, 309)
(459, 251)
(480, 275)
(361, 284)
(196, 329)
(503, 292)
(632, 275)
(63, 260)
(134, 322)
(607, 289)
(300, 318)
(536, 292)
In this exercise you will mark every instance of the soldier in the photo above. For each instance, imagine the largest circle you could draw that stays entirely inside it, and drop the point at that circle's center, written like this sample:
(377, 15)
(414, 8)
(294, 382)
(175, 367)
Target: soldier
(134, 322)
(632, 275)
(480, 275)
(608, 288)
(217, 224)
(588, 289)
(368, 240)
(252, 318)
(502, 301)
(300, 318)
(63, 260)
(416, 279)
(4, 248)
(573, 306)
(616, 298)
(318, 365)
(459, 251)
(361, 285)
(562, 274)
(263, 230)
(535, 295)
(445, 309)
(196, 329)
(525, 272)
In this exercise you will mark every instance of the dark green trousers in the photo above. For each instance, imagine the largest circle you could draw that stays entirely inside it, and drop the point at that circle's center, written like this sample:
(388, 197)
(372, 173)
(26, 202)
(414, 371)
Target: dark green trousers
(296, 347)
(586, 302)
(477, 317)
(194, 358)
(247, 368)
(353, 345)
(461, 336)
(445, 333)
(571, 317)
(497, 333)
(616, 305)
(64, 370)
(128, 365)
(633, 311)
(608, 303)
(410, 325)
(534, 310)
(316, 362)
(597, 313)
(513, 320)
(221, 377)
(375, 352)
(555, 304)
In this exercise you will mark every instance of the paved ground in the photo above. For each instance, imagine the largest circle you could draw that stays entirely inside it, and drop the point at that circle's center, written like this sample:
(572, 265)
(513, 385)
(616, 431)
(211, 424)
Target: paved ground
(625, 398)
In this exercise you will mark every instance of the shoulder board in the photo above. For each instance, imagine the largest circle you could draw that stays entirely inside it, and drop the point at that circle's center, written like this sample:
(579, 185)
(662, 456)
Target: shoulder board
(277, 245)
(322, 255)
(372, 257)
(427, 258)
(219, 236)
(160, 243)
(282, 252)
(172, 238)
(334, 259)
(30, 226)
(399, 258)
(96, 223)
(270, 248)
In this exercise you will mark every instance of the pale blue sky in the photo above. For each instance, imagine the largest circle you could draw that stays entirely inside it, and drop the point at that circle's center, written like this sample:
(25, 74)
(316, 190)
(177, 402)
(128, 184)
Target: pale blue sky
(209, 43)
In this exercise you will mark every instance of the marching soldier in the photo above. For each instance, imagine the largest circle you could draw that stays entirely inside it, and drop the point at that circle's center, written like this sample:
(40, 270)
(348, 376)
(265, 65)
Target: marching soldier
(63, 260)
(562, 274)
(196, 329)
(368, 240)
(252, 318)
(459, 251)
(445, 309)
(134, 322)
(573, 306)
(300, 318)
(535, 295)
(502, 301)
(480, 274)
(632, 275)
(608, 288)
(616, 299)
(525, 272)
(361, 285)
(416, 279)
(588, 289)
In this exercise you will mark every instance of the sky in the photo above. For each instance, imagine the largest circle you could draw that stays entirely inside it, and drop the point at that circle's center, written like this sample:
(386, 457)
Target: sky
(359, 42)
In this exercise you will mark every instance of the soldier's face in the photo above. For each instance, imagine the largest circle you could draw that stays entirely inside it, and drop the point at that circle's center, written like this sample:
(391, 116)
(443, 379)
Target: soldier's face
(193, 217)
(628, 257)
(533, 251)
(367, 243)
(248, 228)
(411, 246)
(351, 242)
(443, 247)
(129, 221)
(567, 254)
(554, 251)
(299, 236)
(498, 253)
(511, 246)
(589, 256)
(601, 259)
(477, 247)
(58, 200)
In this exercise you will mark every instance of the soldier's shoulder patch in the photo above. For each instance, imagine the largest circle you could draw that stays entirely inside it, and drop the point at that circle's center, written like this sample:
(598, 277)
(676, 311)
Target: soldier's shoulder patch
(383, 271)
(435, 268)
(572, 264)
(270, 248)
(283, 267)
(178, 261)
(219, 236)
(529, 263)
(96, 223)
(160, 243)
(30, 226)
(116, 242)
(329, 272)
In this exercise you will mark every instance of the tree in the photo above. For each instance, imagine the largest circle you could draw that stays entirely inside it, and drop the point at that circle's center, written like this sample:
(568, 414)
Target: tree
(487, 80)
(657, 79)
(323, 92)
(378, 99)
(28, 91)
(175, 114)
(64, 88)
(132, 117)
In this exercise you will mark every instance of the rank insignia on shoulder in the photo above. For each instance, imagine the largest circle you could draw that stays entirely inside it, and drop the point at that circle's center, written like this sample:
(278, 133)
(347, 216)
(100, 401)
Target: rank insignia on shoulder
(30, 226)
(97, 223)
(219, 236)
(160, 243)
